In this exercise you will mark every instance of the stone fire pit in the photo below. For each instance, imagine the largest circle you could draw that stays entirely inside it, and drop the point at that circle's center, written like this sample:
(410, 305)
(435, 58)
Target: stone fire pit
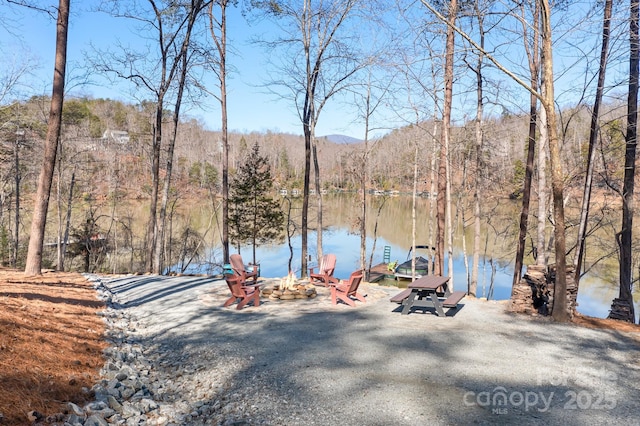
(290, 288)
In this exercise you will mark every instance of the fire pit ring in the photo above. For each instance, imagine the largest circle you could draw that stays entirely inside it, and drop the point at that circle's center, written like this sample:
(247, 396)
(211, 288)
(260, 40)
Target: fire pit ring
(290, 288)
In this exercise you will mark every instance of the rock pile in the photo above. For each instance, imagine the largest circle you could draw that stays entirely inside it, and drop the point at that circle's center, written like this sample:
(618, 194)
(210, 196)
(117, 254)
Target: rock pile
(531, 294)
(534, 293)
(144, 385)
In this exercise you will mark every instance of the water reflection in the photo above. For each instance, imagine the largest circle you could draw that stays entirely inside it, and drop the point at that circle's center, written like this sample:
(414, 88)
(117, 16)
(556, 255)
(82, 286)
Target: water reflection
(274, 261)
(394, 230)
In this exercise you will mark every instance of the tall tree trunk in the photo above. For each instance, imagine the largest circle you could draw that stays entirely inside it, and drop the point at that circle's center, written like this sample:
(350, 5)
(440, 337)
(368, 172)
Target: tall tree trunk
(221, 45)
(559, 312)
(36, 237)
(166, 77)
(414, 196)
(304, 226)
(363, 186)
(624, 237)
(159, 251)
(363, 214)
(460, 213)
(363, 218)
(18, 179)
(59, 209)
(155, 182)
(308, 116)
(534, 70)
(444, 140)
(449, 221)
(473, 282)
(526, 193)
(593, 139)
(183, 58)
(432, 191)
(541, 252)
(316, 170)
(67, 223)
(364, 179)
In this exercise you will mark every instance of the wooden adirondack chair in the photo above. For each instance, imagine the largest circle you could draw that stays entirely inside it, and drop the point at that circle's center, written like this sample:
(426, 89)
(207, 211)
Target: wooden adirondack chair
(240, 270)
(325, 270)
(346, 290)
(242, 292)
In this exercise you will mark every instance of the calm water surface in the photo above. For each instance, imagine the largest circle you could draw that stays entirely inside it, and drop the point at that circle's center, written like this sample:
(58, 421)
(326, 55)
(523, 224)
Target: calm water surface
(394, 230)
(594, 298)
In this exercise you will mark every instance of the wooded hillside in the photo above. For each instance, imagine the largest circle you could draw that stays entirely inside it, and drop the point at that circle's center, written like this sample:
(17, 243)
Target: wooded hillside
(104, 158)
(534, 100)
(108, 142)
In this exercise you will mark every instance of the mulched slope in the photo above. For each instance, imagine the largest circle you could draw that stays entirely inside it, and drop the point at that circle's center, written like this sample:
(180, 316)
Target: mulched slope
(51, 343)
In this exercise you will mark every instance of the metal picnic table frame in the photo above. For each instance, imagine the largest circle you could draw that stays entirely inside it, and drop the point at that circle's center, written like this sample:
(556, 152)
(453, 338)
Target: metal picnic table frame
(423, 292)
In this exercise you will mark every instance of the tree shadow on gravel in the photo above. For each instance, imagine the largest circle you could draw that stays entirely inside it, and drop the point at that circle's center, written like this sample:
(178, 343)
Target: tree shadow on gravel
(172, 287)
(370, 365)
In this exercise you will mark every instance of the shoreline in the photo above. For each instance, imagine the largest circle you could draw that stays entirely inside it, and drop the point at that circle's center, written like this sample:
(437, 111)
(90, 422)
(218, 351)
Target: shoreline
(312, 363)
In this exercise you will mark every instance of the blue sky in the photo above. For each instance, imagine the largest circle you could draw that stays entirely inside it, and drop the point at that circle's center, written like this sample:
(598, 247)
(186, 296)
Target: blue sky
(250, 107)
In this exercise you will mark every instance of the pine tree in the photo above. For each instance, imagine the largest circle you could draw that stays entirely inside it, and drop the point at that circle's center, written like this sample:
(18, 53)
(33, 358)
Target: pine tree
(254, 216)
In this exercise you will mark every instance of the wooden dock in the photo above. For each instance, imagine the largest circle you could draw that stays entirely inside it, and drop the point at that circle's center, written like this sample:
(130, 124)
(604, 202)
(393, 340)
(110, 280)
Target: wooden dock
(379, 272)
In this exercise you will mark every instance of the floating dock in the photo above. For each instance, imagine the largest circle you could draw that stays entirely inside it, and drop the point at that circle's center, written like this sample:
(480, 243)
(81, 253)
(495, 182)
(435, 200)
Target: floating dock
(379, 272)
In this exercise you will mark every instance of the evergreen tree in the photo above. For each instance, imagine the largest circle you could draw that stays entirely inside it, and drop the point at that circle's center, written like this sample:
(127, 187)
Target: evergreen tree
(254, 216)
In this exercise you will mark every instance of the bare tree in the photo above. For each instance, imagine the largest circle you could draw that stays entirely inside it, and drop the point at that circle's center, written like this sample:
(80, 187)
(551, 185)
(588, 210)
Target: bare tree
(13, 141)
(444, 138)
(218, 30)
(156, 74)
(64, 223)
(371, 100)
(318, 63)
(559, 312)
(478, 13)
(192, 11)
(479, 137)
(622, 307)
(13, 75)
(421, 65)
(36, 237)
(593, 139)
(543, 190)
(531, 45)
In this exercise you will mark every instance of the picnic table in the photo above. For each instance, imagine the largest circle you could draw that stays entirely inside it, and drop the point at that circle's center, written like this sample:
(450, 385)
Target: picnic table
(423, 292)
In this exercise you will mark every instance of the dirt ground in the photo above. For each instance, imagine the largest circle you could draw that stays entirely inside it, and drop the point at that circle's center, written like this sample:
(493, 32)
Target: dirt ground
(51, 342)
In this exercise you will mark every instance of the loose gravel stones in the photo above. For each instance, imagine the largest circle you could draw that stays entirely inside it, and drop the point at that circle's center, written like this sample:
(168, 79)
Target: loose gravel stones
(155, 385)
(178, 357)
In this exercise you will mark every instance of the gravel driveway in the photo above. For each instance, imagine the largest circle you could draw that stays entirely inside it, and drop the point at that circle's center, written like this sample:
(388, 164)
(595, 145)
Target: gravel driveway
(311, 363)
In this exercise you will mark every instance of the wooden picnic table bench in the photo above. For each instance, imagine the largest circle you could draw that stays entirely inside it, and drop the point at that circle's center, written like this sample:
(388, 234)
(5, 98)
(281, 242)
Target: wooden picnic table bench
(453, 299)
(423, 292)
(398, 298)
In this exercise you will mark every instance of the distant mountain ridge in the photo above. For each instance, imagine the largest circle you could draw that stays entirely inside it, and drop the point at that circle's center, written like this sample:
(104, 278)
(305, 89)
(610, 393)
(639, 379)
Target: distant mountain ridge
(341, 139)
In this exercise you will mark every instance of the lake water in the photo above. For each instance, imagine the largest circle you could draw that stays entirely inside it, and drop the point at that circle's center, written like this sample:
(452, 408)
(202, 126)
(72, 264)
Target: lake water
(593, 299)
(394, 230)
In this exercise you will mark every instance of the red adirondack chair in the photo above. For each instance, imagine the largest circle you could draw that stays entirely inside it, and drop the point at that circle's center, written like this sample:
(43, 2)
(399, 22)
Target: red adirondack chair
(240, 270)
(346, 290)
(325, 270)
(242, 292)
